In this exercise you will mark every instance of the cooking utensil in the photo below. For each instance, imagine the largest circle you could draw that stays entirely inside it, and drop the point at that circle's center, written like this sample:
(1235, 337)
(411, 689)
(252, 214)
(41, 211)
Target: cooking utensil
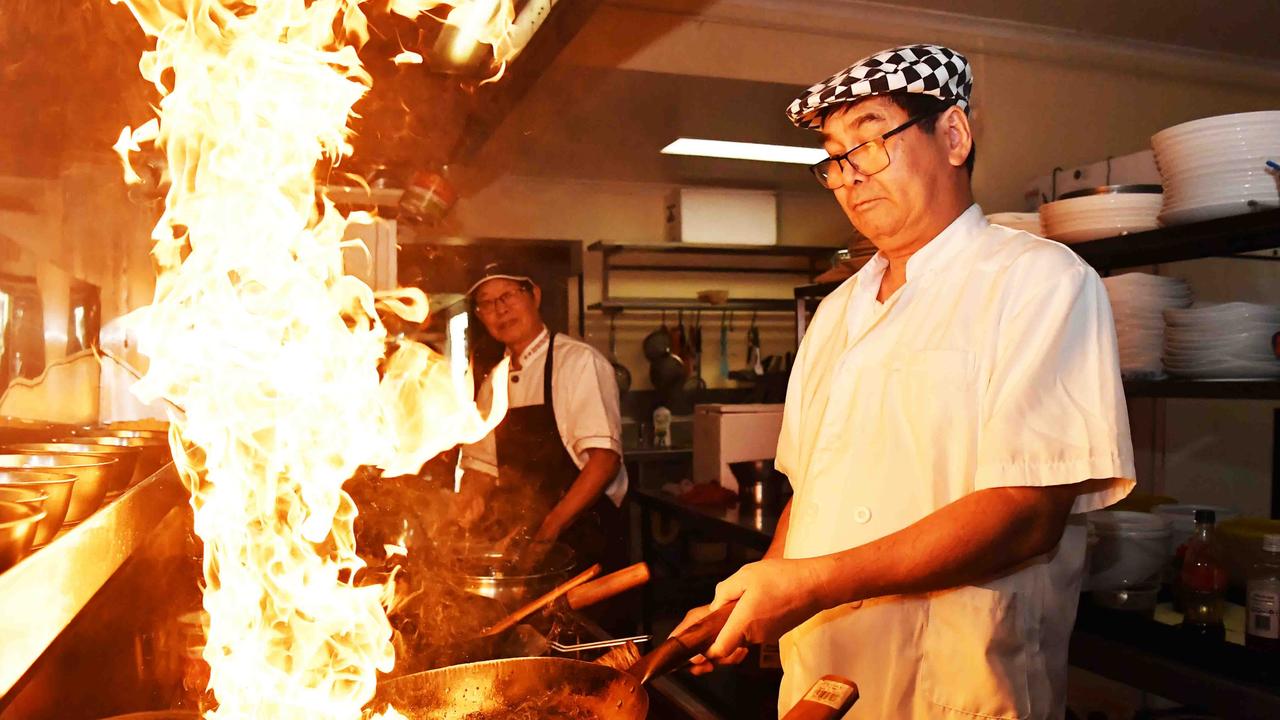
(539, 687)
(498, 575)
(666, 373)
(17, 530)
(93, 473)
(57, 486)
(725, 322)
(541, 602)
(658, 343)
(620, 371)
(154, 454)
(678, 346)
(29, 496)
(679, 649)
(601, 589)
(121, 477)
(753, 348)
(598, 645)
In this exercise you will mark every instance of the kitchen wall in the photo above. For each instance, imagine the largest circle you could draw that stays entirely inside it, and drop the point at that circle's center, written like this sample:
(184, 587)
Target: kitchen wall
(82, 226)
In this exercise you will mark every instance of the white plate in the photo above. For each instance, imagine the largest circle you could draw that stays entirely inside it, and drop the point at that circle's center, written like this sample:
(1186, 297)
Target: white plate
(1211, 211)
(1263, 121)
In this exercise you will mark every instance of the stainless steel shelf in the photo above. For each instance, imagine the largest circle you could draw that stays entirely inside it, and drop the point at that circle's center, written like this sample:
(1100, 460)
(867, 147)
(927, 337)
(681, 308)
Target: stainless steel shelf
(42, 594)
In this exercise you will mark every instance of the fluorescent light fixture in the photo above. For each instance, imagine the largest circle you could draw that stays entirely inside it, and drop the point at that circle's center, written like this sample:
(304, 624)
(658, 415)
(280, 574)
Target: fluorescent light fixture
(745, 151)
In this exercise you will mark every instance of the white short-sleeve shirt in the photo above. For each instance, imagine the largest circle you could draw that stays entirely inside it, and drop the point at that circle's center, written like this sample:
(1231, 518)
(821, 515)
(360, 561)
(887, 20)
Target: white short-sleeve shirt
(584, 389)
(994, 365)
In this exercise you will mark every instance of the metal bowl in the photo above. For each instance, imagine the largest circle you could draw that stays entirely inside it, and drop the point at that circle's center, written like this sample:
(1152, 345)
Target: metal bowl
(31, 496)
(102, 430)
(94, 474)
(58, 486)
(491, 574)
(154, 451)
(17, 531)
(127, 456)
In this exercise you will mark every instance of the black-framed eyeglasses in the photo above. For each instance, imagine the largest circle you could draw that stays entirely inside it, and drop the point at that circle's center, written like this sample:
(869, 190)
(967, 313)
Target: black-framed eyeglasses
(488, 307)
(868, 158)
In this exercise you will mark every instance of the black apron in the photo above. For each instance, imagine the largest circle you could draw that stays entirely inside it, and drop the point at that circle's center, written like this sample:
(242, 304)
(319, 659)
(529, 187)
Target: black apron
(535, 471)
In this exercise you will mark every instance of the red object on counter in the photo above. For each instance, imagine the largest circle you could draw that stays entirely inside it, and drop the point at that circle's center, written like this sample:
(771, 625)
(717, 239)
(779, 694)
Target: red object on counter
(710, 494)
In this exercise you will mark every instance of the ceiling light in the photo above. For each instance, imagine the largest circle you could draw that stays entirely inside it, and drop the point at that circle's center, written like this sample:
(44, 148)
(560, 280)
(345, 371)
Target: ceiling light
(745, 151)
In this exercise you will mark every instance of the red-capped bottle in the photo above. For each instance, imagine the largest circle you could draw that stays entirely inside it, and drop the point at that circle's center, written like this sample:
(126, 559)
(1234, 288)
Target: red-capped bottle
(1203, 581)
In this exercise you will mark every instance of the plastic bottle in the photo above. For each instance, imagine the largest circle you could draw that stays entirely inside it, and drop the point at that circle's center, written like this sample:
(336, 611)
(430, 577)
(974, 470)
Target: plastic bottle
(1262, 629)
(1204, 581)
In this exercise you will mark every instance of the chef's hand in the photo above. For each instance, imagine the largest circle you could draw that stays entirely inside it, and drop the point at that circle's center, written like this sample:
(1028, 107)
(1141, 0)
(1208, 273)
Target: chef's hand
(773, 596)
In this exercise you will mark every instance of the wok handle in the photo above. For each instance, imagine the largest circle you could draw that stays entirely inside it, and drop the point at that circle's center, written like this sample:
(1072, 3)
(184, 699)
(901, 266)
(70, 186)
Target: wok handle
(827, 699)
(679, 649)
(511, 620)
(606, 587)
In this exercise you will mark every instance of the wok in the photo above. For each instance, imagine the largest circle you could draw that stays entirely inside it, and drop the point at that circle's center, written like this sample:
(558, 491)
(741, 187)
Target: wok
(517, 689)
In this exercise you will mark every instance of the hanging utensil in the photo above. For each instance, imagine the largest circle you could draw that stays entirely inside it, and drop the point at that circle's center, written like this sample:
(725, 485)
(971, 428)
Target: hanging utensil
(658, 342)
(620, 371)
(725, 322)
(753, 348)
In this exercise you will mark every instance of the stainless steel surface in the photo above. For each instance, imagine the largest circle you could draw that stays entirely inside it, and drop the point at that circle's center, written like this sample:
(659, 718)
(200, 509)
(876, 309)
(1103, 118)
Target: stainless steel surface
(120, 476)
(41, 596)
(458, 692)
(490, 574)
(57, 486)
(17, 529)
(94, 474)
(1111, 190)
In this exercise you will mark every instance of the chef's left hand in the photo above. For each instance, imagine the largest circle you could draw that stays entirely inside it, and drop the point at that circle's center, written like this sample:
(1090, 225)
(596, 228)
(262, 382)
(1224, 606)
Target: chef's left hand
(773, 596)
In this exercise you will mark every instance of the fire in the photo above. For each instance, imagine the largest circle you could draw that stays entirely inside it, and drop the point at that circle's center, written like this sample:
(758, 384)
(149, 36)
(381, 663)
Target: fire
(276, 357)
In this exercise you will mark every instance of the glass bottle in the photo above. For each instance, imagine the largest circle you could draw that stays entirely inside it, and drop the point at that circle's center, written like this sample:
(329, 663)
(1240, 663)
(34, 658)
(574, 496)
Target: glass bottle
(1262, 629)
(1204, 581)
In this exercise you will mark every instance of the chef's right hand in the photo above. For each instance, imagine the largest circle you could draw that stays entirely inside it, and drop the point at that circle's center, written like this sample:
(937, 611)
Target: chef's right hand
(700, 664)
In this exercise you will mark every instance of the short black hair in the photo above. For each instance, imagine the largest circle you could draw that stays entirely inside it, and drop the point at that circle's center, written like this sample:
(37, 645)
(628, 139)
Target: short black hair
(914, 104)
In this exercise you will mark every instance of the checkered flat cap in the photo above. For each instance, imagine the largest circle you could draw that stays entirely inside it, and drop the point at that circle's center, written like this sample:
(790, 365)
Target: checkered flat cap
(924, 69)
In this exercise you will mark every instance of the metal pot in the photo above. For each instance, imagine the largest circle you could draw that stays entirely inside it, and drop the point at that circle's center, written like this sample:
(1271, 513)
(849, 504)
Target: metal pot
(542, 687)
(657, 344)
(491, 574)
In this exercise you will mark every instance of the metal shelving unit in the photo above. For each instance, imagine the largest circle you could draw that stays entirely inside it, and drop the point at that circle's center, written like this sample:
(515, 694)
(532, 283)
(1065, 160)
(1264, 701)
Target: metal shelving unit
(805, 261)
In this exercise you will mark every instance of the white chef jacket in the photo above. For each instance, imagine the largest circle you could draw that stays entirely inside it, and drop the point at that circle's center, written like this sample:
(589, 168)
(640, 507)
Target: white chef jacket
(994, 365)
(584, 389)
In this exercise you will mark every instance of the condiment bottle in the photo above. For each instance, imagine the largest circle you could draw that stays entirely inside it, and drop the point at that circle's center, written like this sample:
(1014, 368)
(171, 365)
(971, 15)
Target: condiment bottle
(1204, 581)
(1262, 629)
(830, 697)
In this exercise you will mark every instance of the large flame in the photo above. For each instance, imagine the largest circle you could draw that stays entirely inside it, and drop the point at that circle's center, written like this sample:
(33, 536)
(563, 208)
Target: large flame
(274, 355)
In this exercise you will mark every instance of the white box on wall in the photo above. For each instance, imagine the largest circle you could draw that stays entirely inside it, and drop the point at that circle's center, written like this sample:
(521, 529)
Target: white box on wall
(719, 216)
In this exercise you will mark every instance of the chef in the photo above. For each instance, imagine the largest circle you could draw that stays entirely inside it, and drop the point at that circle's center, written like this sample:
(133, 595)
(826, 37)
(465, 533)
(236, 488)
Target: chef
(954, 407)
(554, 463)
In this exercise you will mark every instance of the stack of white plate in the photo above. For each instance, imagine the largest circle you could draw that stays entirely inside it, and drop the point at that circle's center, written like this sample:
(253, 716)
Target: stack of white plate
(1138, 302)
(1223, 341)
(1027, 222)
(1217, 166)
(1101, 212)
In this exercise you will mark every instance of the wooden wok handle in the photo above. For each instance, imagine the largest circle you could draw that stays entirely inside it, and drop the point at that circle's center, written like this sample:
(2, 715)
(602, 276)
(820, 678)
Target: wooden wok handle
(679, 649)
(510, 621)
(606, 587)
